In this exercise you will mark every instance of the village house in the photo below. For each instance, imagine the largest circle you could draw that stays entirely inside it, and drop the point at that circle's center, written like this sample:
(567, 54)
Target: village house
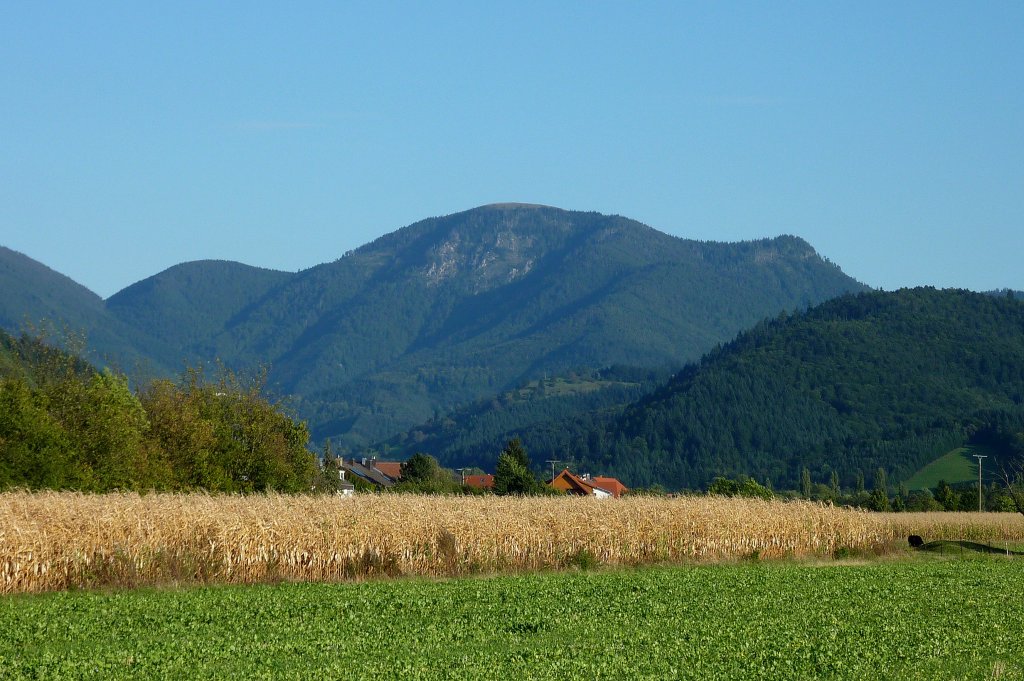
(392, 469)
(610, 484)
(345, 488)
(587, 486)
(370, 470)
(480, 481)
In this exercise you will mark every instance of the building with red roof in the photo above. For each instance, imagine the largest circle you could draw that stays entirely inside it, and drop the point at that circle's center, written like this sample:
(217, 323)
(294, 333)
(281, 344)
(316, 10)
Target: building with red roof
(483, 481)
(611, 484)
(587, 486)
(392, 469)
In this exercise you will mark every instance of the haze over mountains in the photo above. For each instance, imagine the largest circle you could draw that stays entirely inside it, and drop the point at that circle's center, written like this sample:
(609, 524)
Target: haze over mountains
(439, 313)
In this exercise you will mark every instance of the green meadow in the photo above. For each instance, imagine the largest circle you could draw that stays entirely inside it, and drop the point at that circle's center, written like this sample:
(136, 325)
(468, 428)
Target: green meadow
(958, 465)
(924, 618)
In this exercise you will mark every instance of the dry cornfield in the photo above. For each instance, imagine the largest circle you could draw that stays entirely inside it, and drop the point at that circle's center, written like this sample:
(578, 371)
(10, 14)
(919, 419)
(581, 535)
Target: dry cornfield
(53, 541)
(978, 527)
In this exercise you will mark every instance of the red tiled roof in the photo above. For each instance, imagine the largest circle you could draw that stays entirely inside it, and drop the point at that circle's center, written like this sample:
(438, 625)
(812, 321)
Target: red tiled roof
(610, 484)
(392, 469)
(485, 481)
(573, 484)
(367, 473)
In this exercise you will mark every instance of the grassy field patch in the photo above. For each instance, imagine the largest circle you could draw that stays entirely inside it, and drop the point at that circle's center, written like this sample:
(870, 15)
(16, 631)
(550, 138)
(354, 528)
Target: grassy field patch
(954, 467)
(922, 619)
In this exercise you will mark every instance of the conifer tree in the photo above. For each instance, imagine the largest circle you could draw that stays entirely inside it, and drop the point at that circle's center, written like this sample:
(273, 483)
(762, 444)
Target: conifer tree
(512, 474)
(805, 484)
(834, 485)
(880, 495)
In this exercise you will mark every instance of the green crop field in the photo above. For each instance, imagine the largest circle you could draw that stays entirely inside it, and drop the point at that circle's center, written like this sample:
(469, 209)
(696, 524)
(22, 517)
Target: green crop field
(953, 467)
(923, 618)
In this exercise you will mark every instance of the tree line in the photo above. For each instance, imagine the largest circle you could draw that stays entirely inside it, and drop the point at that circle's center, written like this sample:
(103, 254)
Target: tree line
(996, 497)
(66, 425)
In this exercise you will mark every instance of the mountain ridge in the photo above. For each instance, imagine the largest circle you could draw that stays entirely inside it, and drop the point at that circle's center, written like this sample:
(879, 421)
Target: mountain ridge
(450, 309)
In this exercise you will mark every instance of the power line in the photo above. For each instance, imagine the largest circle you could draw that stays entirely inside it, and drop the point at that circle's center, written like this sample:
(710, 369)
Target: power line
(979, 457)
(553, 462)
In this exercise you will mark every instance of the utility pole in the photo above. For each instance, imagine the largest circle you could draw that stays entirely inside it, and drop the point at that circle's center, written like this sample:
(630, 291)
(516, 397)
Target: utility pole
(553, 462)
(979, 457)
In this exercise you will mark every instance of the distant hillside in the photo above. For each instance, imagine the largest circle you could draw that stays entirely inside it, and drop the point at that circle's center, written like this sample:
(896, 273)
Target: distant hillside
(873, 380)
(34, 291)
(473, 435)
(189, 304)
(36, 296)
(452, 309)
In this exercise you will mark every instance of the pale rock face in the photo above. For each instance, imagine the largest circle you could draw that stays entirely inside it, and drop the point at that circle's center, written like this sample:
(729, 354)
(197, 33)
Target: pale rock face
(772, 253)
(444, 262)
(495, 260)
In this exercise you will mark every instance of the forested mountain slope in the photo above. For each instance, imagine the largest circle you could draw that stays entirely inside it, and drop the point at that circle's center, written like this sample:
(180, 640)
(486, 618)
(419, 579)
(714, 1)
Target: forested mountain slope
(34, 296)
(865, 381)
(453, 309)
(474, 434)
(189, 304)
(33, 291)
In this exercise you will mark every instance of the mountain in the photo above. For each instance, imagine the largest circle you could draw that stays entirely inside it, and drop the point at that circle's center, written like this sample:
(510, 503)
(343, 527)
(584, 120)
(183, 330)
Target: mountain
(452, 309)
(36, 296)
(188, 304)
(878, 379)
(34, 291)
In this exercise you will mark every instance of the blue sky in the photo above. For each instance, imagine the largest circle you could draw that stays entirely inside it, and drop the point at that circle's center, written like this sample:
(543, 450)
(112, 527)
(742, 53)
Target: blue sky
(134, 136)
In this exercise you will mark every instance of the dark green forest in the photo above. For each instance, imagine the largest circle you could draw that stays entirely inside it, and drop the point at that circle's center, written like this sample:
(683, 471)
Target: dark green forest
(469, 436)
(864, 382)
